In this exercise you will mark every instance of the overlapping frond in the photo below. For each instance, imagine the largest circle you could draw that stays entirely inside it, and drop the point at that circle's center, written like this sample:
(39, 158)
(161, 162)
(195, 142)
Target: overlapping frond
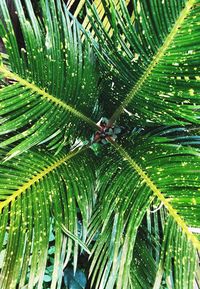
(55, 83)
(79, 6)
(151, 62)
(150, 168)
(39, 191)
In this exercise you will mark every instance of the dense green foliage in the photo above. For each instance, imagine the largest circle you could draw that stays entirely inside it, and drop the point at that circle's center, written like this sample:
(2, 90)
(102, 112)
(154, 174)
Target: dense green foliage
(119, 215)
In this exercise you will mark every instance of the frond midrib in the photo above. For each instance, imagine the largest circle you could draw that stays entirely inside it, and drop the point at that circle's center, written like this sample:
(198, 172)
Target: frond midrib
(5, 72)
(181, 223)
(154, 62)
(38, 177)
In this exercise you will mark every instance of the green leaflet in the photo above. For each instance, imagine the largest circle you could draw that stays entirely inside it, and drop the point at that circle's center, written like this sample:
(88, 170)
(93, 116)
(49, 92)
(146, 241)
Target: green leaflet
(55, 79)
(31, 186)
(74, 238)
(151, 62)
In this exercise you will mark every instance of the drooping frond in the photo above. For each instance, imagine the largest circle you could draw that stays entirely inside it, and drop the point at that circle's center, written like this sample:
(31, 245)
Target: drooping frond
(151, 167)
(152, 61)
(39, 191)
(55, 84)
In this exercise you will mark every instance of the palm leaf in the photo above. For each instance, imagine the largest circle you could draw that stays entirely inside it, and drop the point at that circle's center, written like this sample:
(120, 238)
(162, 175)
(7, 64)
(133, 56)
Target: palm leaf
(151, 62)
(151, 167)
(54, 78)
(32, 186)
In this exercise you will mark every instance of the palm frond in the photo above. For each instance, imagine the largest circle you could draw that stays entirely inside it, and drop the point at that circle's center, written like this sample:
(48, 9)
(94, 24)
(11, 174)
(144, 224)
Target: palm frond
(37, 192)
(55, 83)
(151, 61)
(149, 168)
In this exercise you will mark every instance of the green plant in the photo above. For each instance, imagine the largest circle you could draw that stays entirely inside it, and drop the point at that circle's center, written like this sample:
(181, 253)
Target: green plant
(132, 204)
